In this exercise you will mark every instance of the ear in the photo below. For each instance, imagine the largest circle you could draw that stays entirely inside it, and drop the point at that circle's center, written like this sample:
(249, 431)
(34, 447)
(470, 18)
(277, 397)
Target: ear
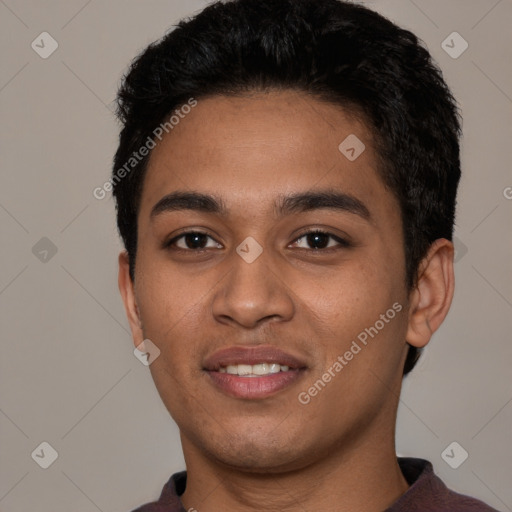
(126, 287)
(431, 298)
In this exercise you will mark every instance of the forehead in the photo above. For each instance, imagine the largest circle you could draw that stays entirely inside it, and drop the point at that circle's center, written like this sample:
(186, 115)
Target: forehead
(250, 149)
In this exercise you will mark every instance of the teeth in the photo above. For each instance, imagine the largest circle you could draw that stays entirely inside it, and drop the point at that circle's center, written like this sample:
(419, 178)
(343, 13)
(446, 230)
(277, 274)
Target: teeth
(244, 369)
(254, 370)
(261, 369)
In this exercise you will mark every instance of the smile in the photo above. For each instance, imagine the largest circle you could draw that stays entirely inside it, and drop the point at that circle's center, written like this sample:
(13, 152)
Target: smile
(255, 370)
(253, 373)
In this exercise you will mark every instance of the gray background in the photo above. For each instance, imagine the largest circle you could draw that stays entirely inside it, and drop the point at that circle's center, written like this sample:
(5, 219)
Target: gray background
(68, 375)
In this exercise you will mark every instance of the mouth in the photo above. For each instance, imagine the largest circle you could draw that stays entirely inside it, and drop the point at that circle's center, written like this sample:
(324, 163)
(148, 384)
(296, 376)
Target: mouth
(253, 372)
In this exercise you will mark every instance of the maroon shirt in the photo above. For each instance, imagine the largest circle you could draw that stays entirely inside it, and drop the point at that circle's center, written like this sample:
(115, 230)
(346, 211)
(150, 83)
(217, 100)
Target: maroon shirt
(426, 493)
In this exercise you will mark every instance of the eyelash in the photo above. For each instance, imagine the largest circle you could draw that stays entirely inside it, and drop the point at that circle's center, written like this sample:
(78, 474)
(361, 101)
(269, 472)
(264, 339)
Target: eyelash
(343, 244)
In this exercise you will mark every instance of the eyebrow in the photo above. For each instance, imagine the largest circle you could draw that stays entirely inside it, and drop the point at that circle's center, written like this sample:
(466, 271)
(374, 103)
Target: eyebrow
(285, 204)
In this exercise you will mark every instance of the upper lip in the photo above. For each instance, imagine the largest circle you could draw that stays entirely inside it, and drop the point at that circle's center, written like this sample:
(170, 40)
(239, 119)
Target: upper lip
(251, 355)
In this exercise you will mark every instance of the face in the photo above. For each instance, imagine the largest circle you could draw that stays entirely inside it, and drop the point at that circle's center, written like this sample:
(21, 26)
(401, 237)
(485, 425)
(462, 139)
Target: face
(291, 261)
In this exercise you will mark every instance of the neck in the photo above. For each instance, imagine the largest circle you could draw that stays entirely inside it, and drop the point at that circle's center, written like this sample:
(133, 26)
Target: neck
(364, 476)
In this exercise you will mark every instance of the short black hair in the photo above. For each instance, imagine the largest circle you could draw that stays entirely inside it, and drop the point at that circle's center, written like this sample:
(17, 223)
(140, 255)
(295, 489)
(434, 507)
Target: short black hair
(333, 50)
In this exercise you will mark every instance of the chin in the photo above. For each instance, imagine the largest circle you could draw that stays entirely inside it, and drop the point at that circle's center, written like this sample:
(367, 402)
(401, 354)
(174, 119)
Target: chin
(262, 461)
(256, 453)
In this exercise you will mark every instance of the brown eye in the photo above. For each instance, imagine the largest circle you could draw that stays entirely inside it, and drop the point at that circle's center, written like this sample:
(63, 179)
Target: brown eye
(194, 241)
(320, 240)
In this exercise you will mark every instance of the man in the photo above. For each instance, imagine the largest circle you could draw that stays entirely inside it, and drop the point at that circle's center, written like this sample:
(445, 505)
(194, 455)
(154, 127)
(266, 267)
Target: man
(286, 181)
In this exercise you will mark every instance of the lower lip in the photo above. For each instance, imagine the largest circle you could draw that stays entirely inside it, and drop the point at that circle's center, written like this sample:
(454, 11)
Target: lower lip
(254, 387)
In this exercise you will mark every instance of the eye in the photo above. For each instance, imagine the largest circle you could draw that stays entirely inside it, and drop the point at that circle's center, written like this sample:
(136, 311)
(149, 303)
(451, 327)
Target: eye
(195, 241)
(320, 240)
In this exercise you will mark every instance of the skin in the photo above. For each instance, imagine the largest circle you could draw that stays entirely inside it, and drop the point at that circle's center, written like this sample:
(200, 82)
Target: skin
(336, 453)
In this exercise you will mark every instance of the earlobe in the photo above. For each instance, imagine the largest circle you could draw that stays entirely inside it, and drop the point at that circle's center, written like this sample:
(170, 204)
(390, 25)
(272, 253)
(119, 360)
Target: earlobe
(126, 288)
(431, 299)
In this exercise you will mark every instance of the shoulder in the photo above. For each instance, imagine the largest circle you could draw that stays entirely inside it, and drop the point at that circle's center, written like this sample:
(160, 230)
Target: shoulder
(169, 500)
(427, 493)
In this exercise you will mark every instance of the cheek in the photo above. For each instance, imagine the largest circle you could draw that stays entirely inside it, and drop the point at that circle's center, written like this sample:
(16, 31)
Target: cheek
(177, 391)
(361, 353)
(172, 310)
(365, 304)
(165, 294)
(358, 292)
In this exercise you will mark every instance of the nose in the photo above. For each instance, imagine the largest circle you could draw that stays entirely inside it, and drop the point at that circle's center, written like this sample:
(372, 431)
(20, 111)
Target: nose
(253, 293)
